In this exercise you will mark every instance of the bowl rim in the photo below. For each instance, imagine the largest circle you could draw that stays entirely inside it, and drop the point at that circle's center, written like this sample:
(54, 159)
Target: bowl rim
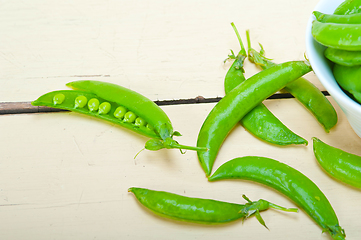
(330, 84)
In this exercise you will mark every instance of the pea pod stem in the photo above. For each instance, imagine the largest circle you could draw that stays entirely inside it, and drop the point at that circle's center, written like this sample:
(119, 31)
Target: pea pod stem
(288, 181)
(235, 75)
(200, 210)
(302, 89)
(259, 121)
(243, 50)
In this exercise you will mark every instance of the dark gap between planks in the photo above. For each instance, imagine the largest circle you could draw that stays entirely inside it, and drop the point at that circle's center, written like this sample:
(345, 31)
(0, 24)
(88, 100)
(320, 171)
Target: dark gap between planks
(26, 107)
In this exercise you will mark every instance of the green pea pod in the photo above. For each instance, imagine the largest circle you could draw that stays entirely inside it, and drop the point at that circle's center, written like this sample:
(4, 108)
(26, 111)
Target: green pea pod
(69, 104)
(238, 102)
(288, 181)
(131, 100)
(123, 109)
(199, 210)
(259, 121)
(302, 89)
(334, 18)
(339, 36)
(348, 7)
(341, 165)
(343, 57)
(349, 79)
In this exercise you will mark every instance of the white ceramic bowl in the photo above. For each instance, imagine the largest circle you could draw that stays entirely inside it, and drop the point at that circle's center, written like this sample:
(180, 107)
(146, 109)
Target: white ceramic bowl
(322, 68)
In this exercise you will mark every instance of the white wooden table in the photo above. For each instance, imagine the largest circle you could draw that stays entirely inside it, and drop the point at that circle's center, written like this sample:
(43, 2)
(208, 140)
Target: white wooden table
(65, 175)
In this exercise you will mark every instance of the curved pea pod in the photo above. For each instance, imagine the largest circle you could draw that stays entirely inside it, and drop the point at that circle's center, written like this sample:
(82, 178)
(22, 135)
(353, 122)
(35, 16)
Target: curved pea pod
(119, 105)
(290, 182)
(335, 18)
(200, 210)
(238, 102)
(341, 165)
(348, 7)
(302, 89)
(339, 36)
(259, 121)
(349, 79)
(343, 57)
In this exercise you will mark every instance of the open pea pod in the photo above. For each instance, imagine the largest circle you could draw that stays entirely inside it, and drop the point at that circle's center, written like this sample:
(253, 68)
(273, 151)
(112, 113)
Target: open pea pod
(89, 103)
(118, 105)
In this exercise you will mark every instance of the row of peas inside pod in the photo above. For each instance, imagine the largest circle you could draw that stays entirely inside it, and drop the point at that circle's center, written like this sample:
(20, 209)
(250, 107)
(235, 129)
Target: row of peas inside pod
(97, 106)
(341, 35)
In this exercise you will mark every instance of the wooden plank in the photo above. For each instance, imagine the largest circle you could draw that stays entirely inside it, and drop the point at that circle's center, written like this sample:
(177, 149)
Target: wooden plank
(65, 176)
(26, 107)
(164, 50)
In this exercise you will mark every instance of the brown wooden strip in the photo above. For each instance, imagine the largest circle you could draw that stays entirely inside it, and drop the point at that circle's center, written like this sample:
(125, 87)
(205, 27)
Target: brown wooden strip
(24, 107)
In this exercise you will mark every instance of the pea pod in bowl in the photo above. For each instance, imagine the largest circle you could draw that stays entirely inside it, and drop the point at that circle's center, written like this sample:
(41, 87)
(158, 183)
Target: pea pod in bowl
(118, 105)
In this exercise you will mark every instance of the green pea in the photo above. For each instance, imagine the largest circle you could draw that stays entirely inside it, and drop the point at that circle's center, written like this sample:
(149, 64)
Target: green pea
(93, 104)
(140, 122)
(130, 117)
(150, 127)
(120, 112)
(58, 98)
(80, 101)
(104, 108)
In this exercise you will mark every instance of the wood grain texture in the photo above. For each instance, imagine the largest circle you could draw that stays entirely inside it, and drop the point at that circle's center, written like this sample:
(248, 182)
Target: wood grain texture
(65, 176)
(164, 50)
